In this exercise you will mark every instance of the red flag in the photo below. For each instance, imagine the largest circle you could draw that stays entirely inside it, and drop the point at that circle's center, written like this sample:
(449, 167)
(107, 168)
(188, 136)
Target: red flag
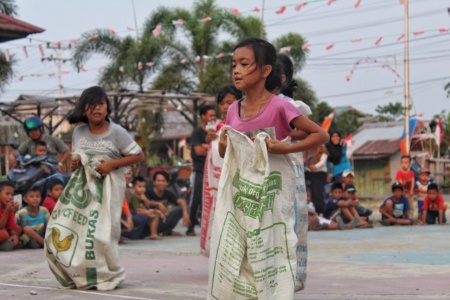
(329, 46)
(378, 41)
(442, 30)
(139, 66)
(256, 9)
(419, 32)
(357, 3)
(281, 10)
(179, 21)
(169, 151)
(157, 30)
(356, 40)
(150, 64)
(112, 31)
(94, 36)
(400, 37)
(300, 6)
(41, 49)
(402, 2)
(285, 49)
(349, 143)
(330, 1)
(84, 70)
(327, 121)
(25, 51)
(183, 61)
(236, 11)
(204, 20)
(220, 55)
(182, 142)
(121, 69)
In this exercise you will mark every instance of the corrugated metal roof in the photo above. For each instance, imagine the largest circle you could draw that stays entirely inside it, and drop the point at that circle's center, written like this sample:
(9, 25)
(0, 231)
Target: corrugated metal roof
(377, 140)
(11, 28)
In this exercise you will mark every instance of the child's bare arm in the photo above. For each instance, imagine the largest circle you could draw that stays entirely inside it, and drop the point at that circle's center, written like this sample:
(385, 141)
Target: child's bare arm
(441, 215)
(424, 216)
(106, 167)
(223, 143)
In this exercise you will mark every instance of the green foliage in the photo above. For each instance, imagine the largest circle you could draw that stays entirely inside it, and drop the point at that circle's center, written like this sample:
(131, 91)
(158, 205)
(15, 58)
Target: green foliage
(305, 93)
(391, 112)
(6, 70)
(214, 78)
(346, 122)
(320, 112)
(297, 54)
(149, 131)
(8, 7)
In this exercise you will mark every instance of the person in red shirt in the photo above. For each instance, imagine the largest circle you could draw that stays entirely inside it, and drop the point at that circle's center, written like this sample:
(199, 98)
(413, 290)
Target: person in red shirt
(54, 191)
(433, 206)
(9, 231)
(406, 178)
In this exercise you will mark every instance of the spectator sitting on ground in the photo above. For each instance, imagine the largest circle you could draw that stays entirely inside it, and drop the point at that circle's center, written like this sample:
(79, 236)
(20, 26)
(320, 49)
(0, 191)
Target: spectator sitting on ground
(337, 207)
(141, 206)
(315, 222)
(395, 209)
(433, 207)
(168, 203)
(40, 148)
(364, 213)
(422, 189)
(9, 231)
(126, 221)
(33, 218)
(349, 194)
(54, 191)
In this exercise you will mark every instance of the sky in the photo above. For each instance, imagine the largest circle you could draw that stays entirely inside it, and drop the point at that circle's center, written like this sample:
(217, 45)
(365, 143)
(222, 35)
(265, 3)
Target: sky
(354, 58)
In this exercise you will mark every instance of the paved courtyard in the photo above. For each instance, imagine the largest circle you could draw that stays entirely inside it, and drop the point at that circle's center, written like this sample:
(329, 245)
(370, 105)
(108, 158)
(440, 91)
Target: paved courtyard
(379, 263)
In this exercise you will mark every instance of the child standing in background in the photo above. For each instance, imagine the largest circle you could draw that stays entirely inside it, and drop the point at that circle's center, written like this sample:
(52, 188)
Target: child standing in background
(33, 218)
(406, 178)
(421, 189)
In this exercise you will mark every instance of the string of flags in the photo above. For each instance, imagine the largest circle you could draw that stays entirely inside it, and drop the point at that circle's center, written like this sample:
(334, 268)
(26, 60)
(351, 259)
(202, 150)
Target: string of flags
(373, 61)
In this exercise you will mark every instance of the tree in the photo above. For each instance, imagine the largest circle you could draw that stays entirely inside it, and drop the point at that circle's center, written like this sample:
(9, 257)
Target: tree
(8, 7)
(321, 111)
(305, 93)
(295, 42)
(391, 112)
(347, 122)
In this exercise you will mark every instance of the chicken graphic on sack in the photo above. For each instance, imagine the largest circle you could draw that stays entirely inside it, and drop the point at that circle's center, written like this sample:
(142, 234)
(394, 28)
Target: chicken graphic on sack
(63, 245)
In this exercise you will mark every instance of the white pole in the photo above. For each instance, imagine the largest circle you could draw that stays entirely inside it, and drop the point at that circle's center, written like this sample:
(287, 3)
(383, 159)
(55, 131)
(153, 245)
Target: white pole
(406, 63)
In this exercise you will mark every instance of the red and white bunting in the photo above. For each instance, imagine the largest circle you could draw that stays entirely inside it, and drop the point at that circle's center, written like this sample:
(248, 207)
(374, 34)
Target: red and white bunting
(357, 3)
(157, 30)
(25, 51)
(74, 41)
(20, 78)
(330, 1)
(112, 31)
(84, 70)
(416, 33)
(57, 44)
(306, 46)
(7, 57)
(281, 10)
(285, 49)
(402, 2)
(140, 66)
(221, 54)
(150, 64)
(378, 41)
(41, 49)
(197, 59)
(178, 22)
(65, 72)
(131, 28)
(358, 40)
(183, 61)
(93, 37)
(204, 20)
(121, 69)
(235, 11)
(256, 9)
(442, 30)
(401, 37)
(300, 6)
(205, 57)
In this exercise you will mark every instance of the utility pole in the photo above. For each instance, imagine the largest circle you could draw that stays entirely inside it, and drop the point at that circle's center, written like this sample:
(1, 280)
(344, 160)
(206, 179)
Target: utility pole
(135, 21)
(262, 18)
(59, 61)
(406, 63)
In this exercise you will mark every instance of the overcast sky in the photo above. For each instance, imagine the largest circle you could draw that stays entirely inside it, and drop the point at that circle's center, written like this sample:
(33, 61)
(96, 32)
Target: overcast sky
(370, 85)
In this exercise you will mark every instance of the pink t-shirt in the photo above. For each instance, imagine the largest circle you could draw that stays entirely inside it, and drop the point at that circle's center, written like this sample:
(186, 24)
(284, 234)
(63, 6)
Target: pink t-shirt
(277, 113)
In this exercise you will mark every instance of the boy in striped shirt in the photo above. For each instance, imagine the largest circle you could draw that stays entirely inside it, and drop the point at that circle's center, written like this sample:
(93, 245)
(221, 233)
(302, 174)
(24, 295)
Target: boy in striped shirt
(33, 218)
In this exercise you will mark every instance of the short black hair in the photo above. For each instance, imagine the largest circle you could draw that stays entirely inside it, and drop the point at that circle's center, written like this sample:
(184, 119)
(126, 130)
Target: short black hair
(34, 188)
(163, 173)
(137, 179)
(228, 89)
(433, 186)
(4, 184)
(406, 156)
(52, 183)
(89, 99)
(41, 143)
(265, 54)
(336, 186)
(204, 109)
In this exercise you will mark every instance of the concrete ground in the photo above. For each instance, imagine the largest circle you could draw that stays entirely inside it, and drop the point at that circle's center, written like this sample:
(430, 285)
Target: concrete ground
(379, 263)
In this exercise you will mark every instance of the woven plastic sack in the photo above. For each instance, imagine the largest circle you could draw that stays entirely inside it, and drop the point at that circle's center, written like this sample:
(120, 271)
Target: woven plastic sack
(255, 252)
(81, 240)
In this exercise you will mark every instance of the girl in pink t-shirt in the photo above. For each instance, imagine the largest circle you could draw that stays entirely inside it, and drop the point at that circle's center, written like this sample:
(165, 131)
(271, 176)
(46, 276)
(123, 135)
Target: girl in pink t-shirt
(255, 73)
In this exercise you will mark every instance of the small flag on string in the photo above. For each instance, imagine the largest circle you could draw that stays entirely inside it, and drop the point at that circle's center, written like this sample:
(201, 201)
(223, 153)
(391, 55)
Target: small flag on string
(220, 55)
(184, 61)
(7, 55)
(20, 78)
(84, 70)
(182, 142)
(101, 68)
(442, 30)
(65, 72)
(300, 6)
(235, 10)
(131, 29)
(378, 41)
(178, 22)
(197, 59)
(330, 46)
(150, 64)
(157, 30)
(402, 2)
(51, 75)
(285, 49)
(121, 69)
(306, 46)
(419, 32)
(112, 31)
(356, 40)
(25, 51)
(57, 44)
(41, 49)
(73, 41)
(93, 37)
(357, 3)
(140, 66)
(281, 10)
(204, 20)
(256, 9)
(401, 37)
(205, 57)
(330, 1)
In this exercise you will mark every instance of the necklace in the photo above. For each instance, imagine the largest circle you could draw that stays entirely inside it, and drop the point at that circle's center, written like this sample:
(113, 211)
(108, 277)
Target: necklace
(259, 109)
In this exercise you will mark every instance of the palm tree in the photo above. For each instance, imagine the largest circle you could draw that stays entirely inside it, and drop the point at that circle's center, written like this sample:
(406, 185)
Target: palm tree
(7, 7)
